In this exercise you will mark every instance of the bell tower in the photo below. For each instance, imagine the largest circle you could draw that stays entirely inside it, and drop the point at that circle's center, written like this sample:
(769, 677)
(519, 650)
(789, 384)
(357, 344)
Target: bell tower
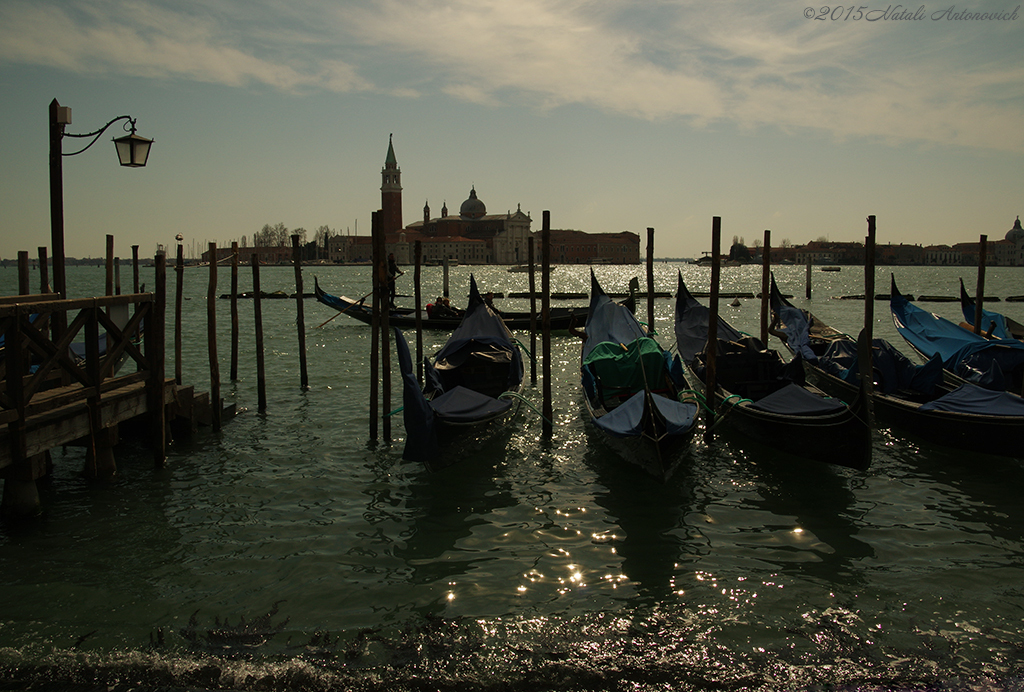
(391, 192)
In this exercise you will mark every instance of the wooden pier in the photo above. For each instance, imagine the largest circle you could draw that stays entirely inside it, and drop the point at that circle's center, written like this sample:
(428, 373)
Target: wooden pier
(72, 372)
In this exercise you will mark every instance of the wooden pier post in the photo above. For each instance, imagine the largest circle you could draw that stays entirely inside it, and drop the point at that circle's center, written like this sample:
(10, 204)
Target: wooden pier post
(155, 338)
(417, 274)
(385, 330)
(21, 495)
(650, 281)
(711, 348)
(211, 338)
(99, 453)
(300, 314)
(766, 286)
(44, 275)
(979, 297)
(234, 311)
(545, 312)
(808, 277)
(179, 270)
(445, 283)
(257, 302)
(533, 312)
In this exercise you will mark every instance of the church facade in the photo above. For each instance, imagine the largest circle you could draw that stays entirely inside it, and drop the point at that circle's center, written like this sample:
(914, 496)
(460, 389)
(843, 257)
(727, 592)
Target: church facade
(472, 236)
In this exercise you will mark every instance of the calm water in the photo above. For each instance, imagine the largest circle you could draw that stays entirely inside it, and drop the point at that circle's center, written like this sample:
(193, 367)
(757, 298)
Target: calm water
(286, 552)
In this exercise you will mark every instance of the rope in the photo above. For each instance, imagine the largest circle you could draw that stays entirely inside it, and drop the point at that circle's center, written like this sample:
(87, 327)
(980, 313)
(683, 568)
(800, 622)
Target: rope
(523, 346)
(516, 395)
(700, 399)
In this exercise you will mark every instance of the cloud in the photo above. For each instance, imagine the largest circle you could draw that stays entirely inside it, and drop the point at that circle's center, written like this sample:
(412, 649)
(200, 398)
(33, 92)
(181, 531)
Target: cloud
(144, 40)
(754, 65)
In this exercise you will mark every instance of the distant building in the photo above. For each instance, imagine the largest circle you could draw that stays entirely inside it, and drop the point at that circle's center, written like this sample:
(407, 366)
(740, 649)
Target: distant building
(899, 254)
(473, 236)
(578, 247)
(943, 255)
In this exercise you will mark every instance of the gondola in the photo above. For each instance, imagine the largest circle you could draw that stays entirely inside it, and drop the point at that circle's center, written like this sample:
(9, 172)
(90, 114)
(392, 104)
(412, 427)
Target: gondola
(768, 399)
(630, 390)
(405, 318)
(924, 400)
(993, 324)
(472, 386)
(996, 364)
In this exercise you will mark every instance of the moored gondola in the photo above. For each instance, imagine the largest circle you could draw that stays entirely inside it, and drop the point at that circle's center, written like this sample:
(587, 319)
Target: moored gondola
(923, 400)
(996, 364)
(630, 389)
(766, 398)
(473, 385)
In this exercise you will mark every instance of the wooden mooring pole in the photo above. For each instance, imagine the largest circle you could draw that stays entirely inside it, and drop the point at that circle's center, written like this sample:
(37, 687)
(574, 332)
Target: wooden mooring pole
(300, 314)
(109, 285)
(808, 276)
(374, 326)
(155, 337)
(650, 281)
(135, 268)
(234, 311)
(417, 274)
(179, 271)
(711, 347)
(545, 312)
(865, 350)
(385, 330)
(211, 339)
(766, 275)
(257, 303)
(533, 313)
(44, 275)
(24, 277)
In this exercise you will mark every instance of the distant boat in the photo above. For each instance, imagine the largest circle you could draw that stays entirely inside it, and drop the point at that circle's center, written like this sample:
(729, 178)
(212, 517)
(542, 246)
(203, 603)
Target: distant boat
(519, 268)
(561, 317)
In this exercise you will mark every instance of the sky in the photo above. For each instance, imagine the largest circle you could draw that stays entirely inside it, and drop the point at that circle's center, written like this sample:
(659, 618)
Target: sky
(611, 114)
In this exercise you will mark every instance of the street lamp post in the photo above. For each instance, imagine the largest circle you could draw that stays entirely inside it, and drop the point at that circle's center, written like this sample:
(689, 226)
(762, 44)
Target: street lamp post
(132, 152)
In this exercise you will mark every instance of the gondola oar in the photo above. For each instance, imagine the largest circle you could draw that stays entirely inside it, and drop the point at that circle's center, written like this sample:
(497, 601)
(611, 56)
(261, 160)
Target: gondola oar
(342, 311)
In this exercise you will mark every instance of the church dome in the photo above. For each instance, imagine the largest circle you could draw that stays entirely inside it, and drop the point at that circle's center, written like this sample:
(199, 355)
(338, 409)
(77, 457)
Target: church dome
(1015, 234)
(472, 208)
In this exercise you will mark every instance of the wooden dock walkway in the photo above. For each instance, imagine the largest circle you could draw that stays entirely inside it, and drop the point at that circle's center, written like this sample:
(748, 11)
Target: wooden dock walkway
(73, 371)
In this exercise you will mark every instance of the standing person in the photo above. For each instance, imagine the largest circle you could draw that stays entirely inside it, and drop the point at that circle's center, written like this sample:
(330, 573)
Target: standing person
(393, 273)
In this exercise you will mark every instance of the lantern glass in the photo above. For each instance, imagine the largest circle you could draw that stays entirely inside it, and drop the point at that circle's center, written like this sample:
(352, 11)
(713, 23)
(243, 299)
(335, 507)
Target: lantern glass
(133, 150)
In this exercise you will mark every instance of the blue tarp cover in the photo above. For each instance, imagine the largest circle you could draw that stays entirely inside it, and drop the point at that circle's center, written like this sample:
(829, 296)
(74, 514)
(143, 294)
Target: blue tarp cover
(692, 320)
(794, 400)
(607, 321)
(965, 353)
(894, 370)
(627, 420)
(971, 398)
(463, 405)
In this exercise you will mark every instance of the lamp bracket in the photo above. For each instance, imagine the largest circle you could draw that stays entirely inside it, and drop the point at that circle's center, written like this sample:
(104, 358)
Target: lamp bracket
(96, 135)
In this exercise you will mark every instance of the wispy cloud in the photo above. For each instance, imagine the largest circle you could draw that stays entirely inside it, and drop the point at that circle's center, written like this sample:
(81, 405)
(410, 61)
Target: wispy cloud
(753, 64)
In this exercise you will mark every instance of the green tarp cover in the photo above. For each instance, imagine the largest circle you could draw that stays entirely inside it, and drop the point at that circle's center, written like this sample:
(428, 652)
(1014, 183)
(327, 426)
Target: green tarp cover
(619, 368)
